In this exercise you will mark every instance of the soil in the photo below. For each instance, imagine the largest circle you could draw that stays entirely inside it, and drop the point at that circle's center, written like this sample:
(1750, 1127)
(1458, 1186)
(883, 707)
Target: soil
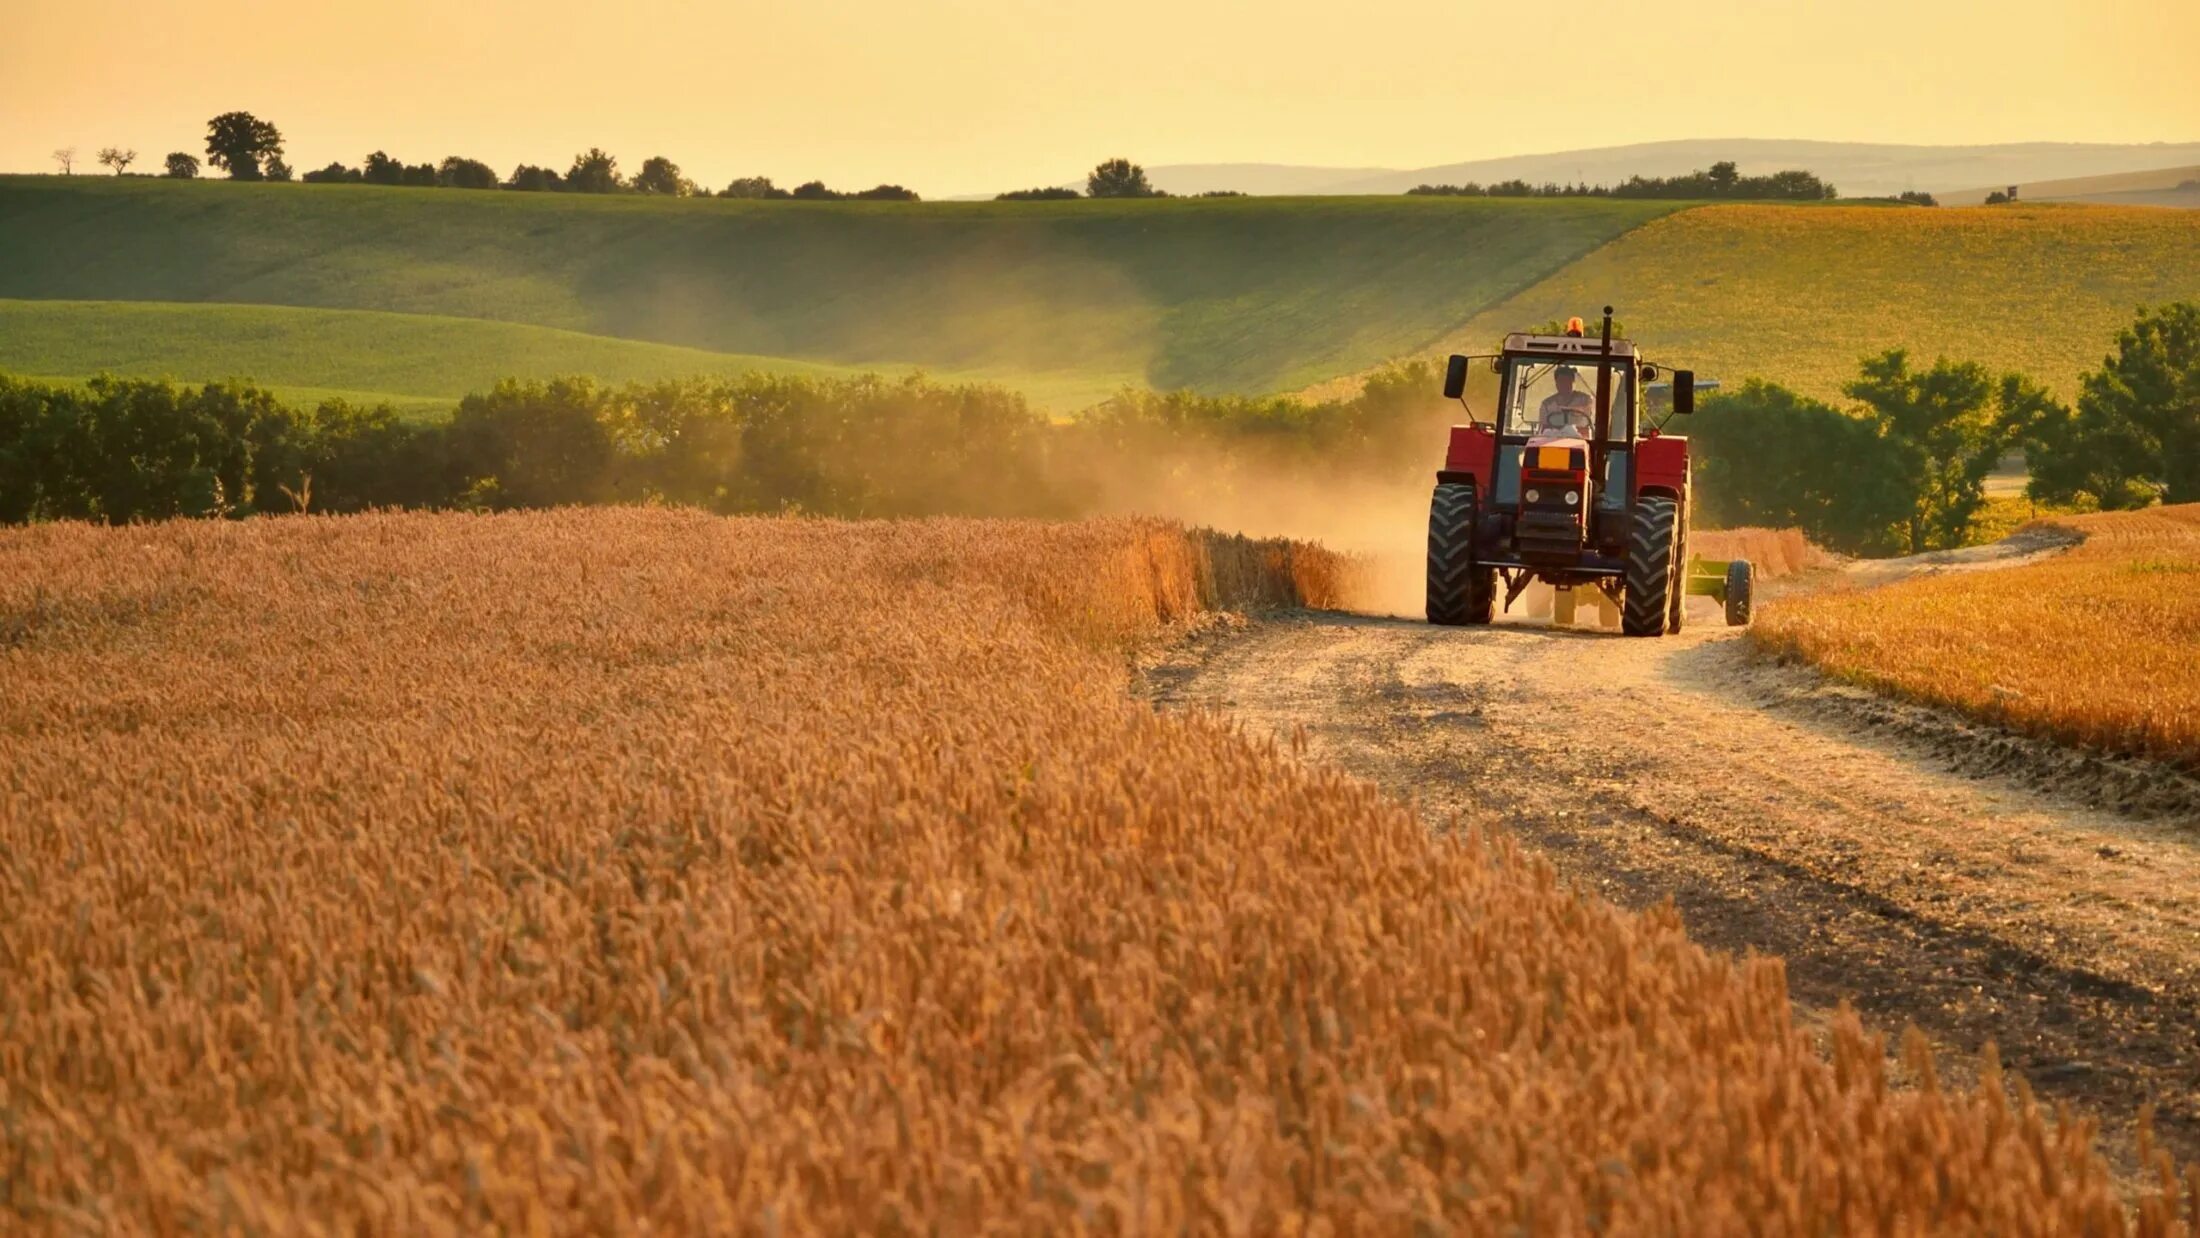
(1927, 870)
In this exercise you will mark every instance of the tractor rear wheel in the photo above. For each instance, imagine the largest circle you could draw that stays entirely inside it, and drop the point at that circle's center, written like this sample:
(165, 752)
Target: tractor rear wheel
(1649, 575)
(1740, 580)
(1460, 590)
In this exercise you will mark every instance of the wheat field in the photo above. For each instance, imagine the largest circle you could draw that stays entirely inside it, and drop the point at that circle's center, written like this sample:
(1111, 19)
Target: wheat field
(633, 870)
(2099, 645)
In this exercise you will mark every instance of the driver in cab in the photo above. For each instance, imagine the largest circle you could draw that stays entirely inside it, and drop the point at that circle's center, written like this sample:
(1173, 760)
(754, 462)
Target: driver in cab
(1567, 411)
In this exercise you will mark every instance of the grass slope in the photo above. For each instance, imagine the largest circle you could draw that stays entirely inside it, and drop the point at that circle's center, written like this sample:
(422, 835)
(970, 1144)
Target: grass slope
(1799, 294)
(1218, 295)
(406, 359)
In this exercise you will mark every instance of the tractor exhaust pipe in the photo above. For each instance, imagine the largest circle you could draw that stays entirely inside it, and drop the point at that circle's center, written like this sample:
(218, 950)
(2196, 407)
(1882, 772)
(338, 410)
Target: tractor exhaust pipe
(1604, 402)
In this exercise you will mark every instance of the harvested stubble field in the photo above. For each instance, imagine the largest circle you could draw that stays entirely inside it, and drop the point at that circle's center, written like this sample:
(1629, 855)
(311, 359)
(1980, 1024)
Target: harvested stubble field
(620, 869)
(2098, 645)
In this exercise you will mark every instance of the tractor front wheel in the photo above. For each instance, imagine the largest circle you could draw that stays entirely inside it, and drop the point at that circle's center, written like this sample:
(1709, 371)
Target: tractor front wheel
(1740, 579)
(1460, 590)
(1651, 543)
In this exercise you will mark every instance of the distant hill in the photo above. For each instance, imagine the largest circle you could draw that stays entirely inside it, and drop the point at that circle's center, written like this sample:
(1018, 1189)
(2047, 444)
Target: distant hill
(2178, 186)
(1067, 301)
(1253, 178)
(1857, 169)
(1258, 179)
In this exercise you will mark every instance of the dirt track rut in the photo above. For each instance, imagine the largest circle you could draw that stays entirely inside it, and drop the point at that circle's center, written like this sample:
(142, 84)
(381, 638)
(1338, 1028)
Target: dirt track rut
(1976, 907)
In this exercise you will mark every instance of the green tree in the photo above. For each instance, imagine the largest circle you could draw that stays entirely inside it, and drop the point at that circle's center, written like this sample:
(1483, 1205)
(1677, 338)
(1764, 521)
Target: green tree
(1767, 456)
(531, 179)
(2135, 435)
(660, 175)
(180, 166)
(34, 420)
(357, 458)
(117, 158)
(240, 144)
(458, 173)
(753, 187)
(1950, 419)
(815, 191)
(379, 169)
(1119, 178)
(533, 444)
(593, 171)
(276, 169)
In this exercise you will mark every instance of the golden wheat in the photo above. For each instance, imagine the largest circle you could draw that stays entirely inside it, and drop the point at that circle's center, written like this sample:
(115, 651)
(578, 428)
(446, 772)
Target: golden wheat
(632, 869)
(2099, 645)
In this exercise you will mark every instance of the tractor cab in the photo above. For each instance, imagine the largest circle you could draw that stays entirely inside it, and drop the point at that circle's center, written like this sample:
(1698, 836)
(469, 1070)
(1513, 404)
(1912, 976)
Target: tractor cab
(1562, 478)
(1565, 484)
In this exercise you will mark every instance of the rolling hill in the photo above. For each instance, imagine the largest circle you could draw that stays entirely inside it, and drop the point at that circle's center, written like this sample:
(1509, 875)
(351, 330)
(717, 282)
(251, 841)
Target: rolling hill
(1859, 169)
(1230, 295)
(419, 296)
(414, 361)
(1798, 295)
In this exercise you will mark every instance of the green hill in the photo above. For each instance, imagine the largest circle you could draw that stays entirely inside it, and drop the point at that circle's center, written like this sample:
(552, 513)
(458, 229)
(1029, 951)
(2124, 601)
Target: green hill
(411, 360)
(1799, 295)
(1245, 295)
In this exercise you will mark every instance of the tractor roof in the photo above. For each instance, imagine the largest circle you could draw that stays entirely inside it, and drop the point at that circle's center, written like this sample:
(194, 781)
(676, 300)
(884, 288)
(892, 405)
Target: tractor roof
(1585, 347)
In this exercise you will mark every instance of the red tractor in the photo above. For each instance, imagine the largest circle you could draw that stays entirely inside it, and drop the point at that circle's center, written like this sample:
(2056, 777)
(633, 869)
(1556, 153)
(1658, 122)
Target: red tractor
(1568, 487)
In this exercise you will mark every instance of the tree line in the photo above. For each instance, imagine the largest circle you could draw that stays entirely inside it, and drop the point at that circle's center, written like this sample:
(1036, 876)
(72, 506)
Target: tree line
(1720, 180)
(248, 148)
(1902, 470)
(122, 450)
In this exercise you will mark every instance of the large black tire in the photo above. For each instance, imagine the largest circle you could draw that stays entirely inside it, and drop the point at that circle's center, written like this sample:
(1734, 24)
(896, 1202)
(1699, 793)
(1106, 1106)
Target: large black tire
(1650, 548)
(1741, 580)
(1459, 590)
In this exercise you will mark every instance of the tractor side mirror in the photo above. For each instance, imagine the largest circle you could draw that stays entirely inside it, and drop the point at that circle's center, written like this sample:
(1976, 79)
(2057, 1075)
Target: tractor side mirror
(1684, 391)
(1455, 377)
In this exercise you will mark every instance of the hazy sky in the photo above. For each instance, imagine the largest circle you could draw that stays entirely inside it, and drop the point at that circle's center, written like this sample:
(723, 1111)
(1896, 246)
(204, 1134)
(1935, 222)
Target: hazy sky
(957, 96)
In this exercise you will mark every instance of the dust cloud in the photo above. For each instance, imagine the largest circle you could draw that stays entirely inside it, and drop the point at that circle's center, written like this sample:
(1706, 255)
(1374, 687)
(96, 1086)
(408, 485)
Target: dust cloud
(1379, 517)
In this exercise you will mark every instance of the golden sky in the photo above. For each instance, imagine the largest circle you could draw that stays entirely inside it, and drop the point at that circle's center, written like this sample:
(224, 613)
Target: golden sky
(960, 96)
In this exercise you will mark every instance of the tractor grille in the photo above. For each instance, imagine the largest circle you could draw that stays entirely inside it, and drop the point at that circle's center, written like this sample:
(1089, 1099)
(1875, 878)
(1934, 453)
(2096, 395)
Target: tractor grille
(1552, 506)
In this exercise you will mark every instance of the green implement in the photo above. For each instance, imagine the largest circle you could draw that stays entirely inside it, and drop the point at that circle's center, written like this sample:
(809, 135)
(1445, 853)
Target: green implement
(1731, 581)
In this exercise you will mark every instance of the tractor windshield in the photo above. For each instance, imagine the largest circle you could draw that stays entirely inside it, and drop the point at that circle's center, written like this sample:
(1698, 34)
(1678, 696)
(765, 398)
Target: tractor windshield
(1560, 397)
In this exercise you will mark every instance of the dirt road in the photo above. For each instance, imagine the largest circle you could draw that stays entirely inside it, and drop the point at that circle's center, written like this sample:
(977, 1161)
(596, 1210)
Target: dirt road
(1924, 877)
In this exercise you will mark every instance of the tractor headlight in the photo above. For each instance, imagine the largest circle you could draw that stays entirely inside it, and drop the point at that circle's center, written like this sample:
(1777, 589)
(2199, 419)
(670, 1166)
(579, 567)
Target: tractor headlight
(1573, 498)
(1535, 496)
